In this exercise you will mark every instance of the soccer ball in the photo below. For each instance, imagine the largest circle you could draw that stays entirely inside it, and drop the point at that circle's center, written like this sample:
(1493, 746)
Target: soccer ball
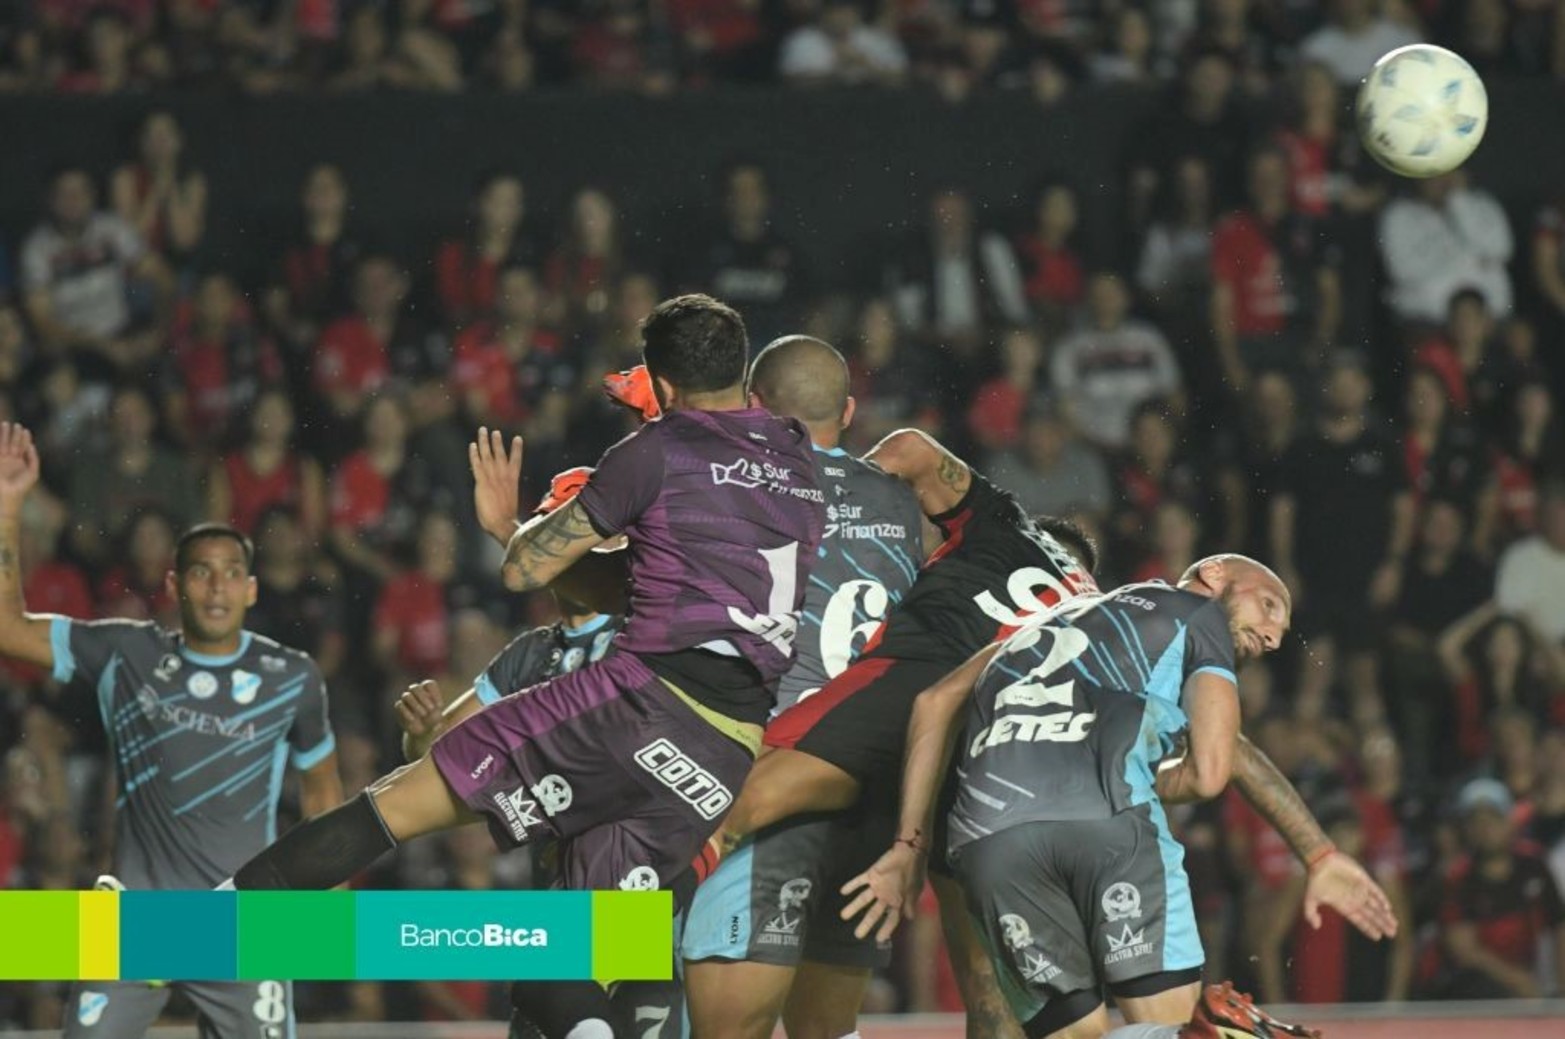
(1422, 110)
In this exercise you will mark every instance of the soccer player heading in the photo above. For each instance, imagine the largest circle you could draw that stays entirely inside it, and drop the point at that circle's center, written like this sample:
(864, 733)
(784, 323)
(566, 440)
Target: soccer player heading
(721, 510)
(1088, 701)
(225, 710)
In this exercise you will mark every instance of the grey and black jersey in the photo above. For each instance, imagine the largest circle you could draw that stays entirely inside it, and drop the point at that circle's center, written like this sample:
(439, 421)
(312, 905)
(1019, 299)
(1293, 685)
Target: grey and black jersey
(1072, 717)
(200, 743)
(542, 653)
(870, 554)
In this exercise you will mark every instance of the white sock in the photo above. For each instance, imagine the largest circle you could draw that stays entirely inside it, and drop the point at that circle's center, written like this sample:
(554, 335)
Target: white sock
(1145, 1032)
(592, 1028)
(853, 1035)
(227, 885)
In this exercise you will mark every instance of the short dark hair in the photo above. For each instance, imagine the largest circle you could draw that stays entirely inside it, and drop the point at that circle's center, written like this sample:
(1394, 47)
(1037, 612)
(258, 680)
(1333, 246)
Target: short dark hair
(695, 342)
(204, 532)
(801, 377)
(1073, 536)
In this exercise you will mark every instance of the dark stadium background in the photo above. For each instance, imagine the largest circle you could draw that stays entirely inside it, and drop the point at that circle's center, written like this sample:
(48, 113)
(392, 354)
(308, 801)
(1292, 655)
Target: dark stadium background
(665, 120)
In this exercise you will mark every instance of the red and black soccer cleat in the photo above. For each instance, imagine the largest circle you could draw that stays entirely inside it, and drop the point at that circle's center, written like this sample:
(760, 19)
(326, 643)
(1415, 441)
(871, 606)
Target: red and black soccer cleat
(1226, 1013)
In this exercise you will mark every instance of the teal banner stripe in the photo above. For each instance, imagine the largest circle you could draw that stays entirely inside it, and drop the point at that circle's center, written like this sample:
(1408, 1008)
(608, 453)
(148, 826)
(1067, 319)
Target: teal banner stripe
(473, 936)
(390, 936)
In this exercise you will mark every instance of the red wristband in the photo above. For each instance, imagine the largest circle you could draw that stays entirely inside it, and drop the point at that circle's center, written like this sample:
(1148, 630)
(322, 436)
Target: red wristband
(1320, 856)
(916, 842)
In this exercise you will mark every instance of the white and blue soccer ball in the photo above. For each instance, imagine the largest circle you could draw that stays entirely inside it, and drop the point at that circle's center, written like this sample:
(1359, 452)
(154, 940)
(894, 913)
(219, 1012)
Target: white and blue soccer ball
(1422, 110)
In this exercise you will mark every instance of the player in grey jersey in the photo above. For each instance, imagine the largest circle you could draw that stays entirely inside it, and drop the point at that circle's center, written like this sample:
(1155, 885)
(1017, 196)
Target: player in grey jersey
(763, 938)
(201, 724)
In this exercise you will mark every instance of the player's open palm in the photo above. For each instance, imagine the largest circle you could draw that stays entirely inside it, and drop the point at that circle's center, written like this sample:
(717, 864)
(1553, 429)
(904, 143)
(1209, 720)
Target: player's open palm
(886, 892)
(497, 478)
(1344, 885)
(18, 461)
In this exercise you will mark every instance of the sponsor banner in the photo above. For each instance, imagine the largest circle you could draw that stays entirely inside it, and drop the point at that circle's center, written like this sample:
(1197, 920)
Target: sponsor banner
(337, 935)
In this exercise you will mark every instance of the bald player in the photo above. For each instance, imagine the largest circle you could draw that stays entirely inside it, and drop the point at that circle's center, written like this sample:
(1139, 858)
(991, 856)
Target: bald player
(1058, 834)
(771, 913)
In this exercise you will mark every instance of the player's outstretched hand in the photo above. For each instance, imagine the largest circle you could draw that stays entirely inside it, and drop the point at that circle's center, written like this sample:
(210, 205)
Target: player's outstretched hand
(887, 892)
(419, 709)
(18, 462)
(1344, 885)
(497, 479)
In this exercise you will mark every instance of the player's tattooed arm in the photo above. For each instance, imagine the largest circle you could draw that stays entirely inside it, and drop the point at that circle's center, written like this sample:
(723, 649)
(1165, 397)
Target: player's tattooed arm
(939, 478)
(545, 547)
(1334, 879)
(23, 636)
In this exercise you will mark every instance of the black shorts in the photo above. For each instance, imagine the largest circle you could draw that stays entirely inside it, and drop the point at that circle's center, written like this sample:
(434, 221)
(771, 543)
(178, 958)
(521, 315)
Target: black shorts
(1063, 907)
(858, 721)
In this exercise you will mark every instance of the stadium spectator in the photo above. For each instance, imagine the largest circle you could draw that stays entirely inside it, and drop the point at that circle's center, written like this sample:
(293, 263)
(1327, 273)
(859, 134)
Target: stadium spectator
(1442, 238)
(1325, 158)
(1276, 295)
(839, 48)
(1111, 364)
(130, 471)
(1531, 579)
(266, 471)
(1174, 272)
(375, 491)
(1254, 462)
(582, 269)
(1344, 475)
(1548, 259)
(1443, 578)
(1465, 354)
(78, 270)
(114, 61)
(511, 370)
(1233, 28)
(748, 263)
(137, 588)
(220, 363)
(615, 47)
(1127, 54)
(1052, 472)
(1530, 450)
(1501, 905)
(1444, 455)
(412, 623)
(718, 39)
(1200, 118)
(955, 279)
(1152, 470)
(313, 283)
(1050, 256)
(995, 416)
(467, 269)
(1354, 39)
(1174, 544)
(299, 603)
(888, 380)
(159, 195)
(1495, 664)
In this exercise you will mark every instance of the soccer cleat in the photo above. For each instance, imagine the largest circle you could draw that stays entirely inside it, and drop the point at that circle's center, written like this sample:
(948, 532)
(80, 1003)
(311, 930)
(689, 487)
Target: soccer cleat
(633, 389)
(563, 488)
(1226, 1013)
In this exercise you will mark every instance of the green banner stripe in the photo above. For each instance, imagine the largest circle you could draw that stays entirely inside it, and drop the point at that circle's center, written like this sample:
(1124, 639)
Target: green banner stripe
(632, 935)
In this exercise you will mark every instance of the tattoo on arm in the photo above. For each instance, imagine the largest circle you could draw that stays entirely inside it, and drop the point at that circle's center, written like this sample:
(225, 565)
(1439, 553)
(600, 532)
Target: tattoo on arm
(952, 472)
(1270, 794)
(541, 550)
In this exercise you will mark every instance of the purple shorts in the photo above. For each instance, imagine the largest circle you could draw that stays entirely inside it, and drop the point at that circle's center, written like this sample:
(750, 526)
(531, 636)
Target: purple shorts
(606, 760)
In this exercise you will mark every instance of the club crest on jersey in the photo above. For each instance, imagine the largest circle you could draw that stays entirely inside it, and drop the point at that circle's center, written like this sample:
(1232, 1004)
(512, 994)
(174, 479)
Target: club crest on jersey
(520, 812)
(642, 878)
(1122, 901)
(554, 793)
(245, 686)
(147, 700)
(202, 685)
(90, 1007)
(600, 645)
(168, 667)
(783, 929)
(1128, 945)
(573, 658)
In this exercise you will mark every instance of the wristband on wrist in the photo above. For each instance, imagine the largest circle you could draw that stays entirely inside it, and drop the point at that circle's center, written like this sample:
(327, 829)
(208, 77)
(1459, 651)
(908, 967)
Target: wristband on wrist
(1320, 856)
(916, 841)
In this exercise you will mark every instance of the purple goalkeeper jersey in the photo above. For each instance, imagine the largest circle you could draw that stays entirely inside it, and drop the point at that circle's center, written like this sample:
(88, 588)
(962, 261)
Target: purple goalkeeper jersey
(724, 514)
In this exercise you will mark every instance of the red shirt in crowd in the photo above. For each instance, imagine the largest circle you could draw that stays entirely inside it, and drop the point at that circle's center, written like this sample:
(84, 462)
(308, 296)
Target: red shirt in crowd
(465, 281)
(253, 493)
(1271, 860)
(359, 494)
(1518, 492)
(1245, 259)
(509, 389)
(414, 607)
(1511, 915)
(1309, 162)
(350, 356)
(214, 385)
(120, 596)
(729, 24)
(1054, 275)
(995, 416)
(52, 587)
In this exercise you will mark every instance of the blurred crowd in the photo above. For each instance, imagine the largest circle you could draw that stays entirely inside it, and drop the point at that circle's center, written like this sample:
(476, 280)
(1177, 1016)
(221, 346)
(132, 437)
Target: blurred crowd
(1287, 353)
(657, 46)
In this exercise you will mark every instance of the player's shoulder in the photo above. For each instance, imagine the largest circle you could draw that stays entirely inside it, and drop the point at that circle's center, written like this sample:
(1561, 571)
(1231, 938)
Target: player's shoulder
(275, 658)
(121, 630)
